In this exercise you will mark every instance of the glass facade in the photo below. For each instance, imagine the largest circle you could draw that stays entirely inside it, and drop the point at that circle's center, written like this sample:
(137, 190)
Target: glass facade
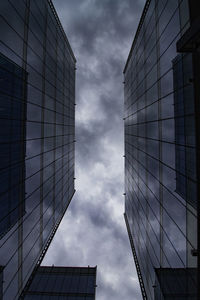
(161, 181)
(1, 282)
(69, 283)
(184, 129)
(12, 139)
(166, 279)
(37, 93)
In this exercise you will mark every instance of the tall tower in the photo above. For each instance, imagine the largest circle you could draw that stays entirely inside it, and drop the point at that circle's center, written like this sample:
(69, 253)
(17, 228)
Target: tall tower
(162, 183)
(37, 110)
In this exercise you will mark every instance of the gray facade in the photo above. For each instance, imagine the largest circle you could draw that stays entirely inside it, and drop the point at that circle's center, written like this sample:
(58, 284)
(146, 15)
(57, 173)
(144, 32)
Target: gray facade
(71, 283)
(37, 110)
(162, 150)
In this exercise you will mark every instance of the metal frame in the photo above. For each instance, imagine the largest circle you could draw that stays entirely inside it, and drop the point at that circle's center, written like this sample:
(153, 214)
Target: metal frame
(44, 251)
(143, 291)
(61, 28)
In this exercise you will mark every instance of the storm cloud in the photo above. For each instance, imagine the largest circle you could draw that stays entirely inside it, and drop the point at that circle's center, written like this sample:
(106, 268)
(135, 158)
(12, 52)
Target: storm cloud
(93, 230)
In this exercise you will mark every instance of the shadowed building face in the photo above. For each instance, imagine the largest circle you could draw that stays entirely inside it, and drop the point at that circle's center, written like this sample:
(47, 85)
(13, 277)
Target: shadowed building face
(161, 136)
(13, 85)
(72, 283)
(37, 93)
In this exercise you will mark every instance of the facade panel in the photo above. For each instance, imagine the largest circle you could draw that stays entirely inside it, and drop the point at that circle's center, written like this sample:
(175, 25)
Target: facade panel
(72, 283)
(41, 93)
(161, 176)
(12, 138)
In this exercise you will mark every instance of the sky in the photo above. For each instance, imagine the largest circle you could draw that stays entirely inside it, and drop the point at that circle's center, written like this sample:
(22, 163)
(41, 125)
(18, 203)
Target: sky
(93, 230)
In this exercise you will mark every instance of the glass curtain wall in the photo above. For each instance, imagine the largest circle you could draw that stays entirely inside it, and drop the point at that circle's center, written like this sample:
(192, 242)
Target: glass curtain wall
(160, 155)
(37, 108)
(71, 283)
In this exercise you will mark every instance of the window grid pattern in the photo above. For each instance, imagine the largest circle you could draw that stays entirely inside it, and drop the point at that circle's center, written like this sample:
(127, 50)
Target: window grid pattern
(12, 78)
(160, 166)
(33, 40)
(63, 282)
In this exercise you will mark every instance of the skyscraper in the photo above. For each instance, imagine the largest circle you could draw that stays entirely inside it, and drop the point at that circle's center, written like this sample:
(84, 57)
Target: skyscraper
(161, 89)
(72, 283)
(37, 98)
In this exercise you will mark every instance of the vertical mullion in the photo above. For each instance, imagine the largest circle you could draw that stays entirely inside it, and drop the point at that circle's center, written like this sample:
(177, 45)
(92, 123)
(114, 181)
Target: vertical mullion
(54, 128)
(159, 135)
(42, 130)
(22, 180)
(146, 156)
(63, 127)
(196, 64)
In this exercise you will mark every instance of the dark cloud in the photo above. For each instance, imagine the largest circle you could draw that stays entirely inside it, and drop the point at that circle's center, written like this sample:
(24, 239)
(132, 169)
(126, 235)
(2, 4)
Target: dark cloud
(93, 231)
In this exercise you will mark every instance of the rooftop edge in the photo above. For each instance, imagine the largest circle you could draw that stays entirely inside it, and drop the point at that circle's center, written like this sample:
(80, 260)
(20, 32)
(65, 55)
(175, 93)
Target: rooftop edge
(61, 28)
(146, 6)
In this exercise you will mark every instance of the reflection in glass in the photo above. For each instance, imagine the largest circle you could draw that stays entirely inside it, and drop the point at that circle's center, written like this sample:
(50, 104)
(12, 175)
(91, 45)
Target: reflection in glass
(37, 95)
(66, 282)
(161, 183)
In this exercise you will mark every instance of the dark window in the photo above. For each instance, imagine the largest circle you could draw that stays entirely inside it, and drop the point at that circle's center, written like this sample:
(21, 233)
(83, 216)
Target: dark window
(12, 136)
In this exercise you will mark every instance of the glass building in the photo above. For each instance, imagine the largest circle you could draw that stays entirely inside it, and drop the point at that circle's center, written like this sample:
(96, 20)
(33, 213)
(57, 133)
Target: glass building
(162, 145)
(12, 134)
(71, 283)
(37, 110)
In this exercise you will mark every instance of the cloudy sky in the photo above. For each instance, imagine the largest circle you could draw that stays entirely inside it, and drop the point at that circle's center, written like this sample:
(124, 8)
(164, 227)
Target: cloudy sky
(93, 230)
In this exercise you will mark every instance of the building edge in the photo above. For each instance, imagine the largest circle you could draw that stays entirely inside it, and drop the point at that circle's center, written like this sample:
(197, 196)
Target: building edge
(143, 291)
(137, 32)
(26, 287)
(61, 28)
